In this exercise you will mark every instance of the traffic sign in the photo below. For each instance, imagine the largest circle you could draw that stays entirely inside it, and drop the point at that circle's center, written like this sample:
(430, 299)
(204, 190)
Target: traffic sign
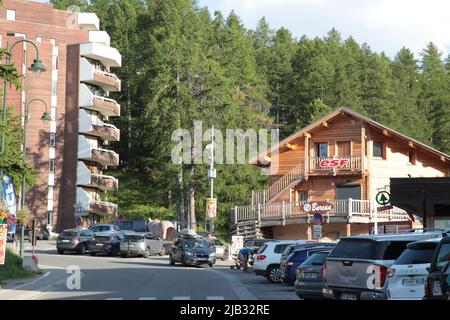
(317, 231)
(383, 198)
(317, 219)
(78, 221)
(121, 217)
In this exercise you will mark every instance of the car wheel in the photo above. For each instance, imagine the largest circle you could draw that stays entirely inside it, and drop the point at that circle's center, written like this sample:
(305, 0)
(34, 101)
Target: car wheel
(82, 250)
(124, 255)
(183, 262)
(162, 252)
(147, 253)
(274, 274)
(60, 251)
(171, 260)
(211, 265)
(92, 254)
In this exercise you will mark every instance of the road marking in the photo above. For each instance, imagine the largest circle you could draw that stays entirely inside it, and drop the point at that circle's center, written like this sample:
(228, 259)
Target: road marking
(182, 298)
(147, 298)
(215, 298)
(114, 299)
(237, 286)
(29, 283)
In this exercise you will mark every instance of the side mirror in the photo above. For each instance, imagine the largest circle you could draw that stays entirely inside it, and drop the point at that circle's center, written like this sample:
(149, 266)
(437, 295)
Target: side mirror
(428, 269)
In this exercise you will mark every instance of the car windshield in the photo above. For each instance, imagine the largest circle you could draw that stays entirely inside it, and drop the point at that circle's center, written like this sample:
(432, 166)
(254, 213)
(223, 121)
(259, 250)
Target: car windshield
(443, 255)
(417, 254)
(318, 258)
(195, 243)
(354, 248)
(69, 234)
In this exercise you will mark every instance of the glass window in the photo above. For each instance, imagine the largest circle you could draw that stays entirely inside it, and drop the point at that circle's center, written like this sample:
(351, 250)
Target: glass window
(52, 139)
(316, 258)
(50, 217)
(54, 87)
(443, 255)
(51, 168)
(54, 62)
(303, 195)
(280, 248)
(300, 256)
(378, 149)
(354, 248)
(394, 249)
(417, 254)
(11, 15)
(322, 150)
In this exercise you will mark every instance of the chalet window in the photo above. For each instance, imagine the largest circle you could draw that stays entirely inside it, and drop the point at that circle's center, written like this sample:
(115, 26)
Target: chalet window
(322, 150)
(378, 150)
(303, 195)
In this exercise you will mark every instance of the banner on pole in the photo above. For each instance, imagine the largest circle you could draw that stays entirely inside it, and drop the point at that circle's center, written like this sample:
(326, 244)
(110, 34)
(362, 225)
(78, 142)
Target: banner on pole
(211, 208)
(9, 197)
(3, 234)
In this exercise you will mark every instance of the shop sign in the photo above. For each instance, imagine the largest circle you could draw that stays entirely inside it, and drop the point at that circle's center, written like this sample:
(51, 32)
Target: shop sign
(333, 163)
(317, 207)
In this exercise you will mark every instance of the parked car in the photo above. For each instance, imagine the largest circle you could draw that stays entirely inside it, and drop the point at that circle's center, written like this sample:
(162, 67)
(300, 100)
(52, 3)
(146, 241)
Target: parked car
(133, 225)
(267, 259)
(220, 249)
(191, 251)
(309, 276)
(291, 248)
(109, 244)
(296, 258)
(438, 280)
(106, 229)
(256, 244)
(357, 267)
(74, 240)
(141, 244)
(406, 277)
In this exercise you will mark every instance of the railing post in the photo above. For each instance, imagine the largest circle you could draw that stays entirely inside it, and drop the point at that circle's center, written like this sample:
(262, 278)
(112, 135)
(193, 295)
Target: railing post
(283, 213)
(350, 209)
(235, 215)
(259, 215)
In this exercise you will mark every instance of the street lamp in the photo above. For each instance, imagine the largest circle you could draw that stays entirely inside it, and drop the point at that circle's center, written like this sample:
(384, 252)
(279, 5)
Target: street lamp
(45, 117)
(36, 67)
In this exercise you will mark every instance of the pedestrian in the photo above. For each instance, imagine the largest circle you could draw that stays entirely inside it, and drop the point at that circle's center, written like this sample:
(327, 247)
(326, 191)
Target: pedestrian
(244, 256)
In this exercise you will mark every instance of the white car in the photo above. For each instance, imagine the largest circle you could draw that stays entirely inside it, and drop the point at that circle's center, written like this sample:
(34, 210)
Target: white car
(407, 276)
(267, 259)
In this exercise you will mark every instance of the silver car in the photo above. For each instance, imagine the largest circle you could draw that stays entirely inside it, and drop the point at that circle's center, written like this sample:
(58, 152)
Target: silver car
(141, 244)
(220, 249)
(357, 268)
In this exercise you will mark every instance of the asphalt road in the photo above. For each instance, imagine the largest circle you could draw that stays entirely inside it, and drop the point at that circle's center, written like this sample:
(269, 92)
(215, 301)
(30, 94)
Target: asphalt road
(116, 278)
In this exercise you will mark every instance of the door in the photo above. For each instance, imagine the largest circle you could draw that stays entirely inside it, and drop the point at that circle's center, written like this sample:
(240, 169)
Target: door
(344, 149)
(348, 191)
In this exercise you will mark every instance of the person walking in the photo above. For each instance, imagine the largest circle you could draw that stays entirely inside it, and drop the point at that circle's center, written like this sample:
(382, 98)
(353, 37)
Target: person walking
(244, 256)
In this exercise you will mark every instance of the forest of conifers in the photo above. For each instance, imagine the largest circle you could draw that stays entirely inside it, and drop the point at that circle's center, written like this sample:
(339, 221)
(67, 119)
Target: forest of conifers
(181, 63)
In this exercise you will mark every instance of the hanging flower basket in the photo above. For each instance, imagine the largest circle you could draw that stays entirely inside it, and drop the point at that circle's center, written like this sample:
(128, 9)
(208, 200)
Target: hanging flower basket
(6, 218)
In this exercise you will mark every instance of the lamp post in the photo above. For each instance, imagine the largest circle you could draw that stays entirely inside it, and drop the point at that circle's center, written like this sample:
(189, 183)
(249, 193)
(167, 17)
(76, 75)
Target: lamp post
(36, 67)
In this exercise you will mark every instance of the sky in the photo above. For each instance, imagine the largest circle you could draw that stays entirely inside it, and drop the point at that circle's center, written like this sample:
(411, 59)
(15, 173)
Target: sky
(385, 25)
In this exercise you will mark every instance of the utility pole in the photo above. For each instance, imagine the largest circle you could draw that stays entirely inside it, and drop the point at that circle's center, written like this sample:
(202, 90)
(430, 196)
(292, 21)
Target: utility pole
(211, 176)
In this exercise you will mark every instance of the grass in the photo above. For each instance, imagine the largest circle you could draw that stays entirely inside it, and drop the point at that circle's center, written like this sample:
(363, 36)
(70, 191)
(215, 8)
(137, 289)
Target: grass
(12, 269)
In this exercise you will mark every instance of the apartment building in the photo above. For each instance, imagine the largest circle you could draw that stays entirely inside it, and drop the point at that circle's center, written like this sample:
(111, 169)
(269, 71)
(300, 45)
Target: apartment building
(71, 150)
(332, 179)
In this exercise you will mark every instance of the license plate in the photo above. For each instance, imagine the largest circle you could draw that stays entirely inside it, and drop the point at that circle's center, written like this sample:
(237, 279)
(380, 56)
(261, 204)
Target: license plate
(413, 281)
(99, 244)
(437, 288)
(65, 241)
(310, 275)
(348, 296)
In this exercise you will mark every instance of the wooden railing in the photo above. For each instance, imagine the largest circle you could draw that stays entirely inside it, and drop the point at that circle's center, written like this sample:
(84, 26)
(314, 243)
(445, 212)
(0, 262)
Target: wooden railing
(363, 211)
(353, 164)
(264, 196)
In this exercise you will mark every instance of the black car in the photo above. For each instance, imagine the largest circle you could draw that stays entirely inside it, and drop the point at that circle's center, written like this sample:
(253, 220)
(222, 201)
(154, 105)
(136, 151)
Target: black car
(438, 279)
(109, 244)
(74, 240)
(192, 251)
(309, 276)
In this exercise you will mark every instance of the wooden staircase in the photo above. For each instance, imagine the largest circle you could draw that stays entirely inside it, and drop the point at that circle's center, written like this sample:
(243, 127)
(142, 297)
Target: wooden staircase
(287, 181)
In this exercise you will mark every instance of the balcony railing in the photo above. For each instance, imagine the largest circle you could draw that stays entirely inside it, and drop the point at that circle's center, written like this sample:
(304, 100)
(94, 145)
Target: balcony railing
(357, 211)
(106, 131)
(108, 81)
(107, 106)
(327, 164)
(103, 208)
(105, 157)
(104, 182)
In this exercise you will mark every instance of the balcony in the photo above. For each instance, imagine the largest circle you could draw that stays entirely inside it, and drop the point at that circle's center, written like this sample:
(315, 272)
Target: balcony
(108, 56)
(338, 165)
(88, 100)
(103, 182)
(344, 211)
(105, 80)
(86, 205)
(88, 21)
(89, 153)
(101, 37)
(92, 125)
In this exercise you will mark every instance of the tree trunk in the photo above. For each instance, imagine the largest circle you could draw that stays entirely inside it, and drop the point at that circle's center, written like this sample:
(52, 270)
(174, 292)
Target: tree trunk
(181, 212)
(192, 219)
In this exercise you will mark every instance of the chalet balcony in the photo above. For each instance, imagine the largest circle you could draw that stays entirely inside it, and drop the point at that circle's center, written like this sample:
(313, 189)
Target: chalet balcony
(106, 106)
(85, 204)
(340, 165)
(103, 156)
(105, 80)
(344, 211)
(92, 125)
(88, 179)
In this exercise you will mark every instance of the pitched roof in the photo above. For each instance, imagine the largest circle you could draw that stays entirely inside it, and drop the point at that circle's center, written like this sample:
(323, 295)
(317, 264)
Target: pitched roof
(354, 114)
